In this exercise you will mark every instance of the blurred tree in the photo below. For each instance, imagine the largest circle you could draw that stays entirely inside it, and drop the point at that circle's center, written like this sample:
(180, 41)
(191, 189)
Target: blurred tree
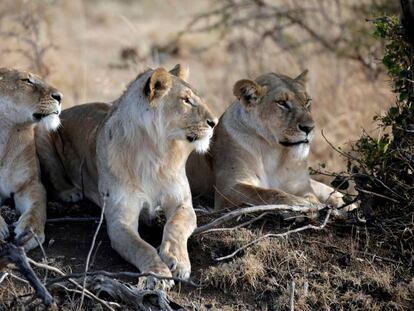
(292, 25)
(26, 25)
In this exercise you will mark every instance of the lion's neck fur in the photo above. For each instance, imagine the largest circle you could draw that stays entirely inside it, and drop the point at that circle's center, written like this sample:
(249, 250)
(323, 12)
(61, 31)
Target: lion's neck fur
(140, 145)
(12, 129)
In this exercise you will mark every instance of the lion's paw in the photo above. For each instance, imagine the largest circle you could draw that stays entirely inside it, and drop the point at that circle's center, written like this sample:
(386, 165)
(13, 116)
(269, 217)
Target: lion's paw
(312, 199)
(72, 195)
(25, 225)
(175, 256)
(336, 199)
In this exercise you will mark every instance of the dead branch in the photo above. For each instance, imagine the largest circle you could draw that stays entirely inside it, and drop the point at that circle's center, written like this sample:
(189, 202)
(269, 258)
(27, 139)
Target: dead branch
(72, 219)
(3, 276)
(134, 275)
(10, 253)
(88, 258)
(60, 281)
(257, 209)
(292, 295)
(60, 272)
(244, 224)
(278, 235)
(407, 18)
(140, 299)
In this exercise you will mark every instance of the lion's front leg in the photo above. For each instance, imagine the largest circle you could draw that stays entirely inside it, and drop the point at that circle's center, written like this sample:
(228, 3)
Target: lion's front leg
(181, 222)
(31, 204)
(246, 194)
(122, 223)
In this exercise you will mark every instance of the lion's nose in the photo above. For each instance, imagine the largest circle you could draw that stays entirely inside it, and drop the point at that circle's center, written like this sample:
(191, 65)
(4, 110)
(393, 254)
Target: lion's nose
(306, 128)
(212, 123)
(57, 96)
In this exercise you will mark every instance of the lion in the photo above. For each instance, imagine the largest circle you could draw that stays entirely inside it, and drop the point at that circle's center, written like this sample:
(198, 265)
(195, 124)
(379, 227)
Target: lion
(259, 151)
(26, 102)
(130, 155)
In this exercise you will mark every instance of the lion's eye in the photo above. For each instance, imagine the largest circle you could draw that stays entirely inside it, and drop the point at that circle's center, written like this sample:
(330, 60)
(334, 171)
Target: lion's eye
(308, 103)
(283, 104)
(28, 81)
(188, 101)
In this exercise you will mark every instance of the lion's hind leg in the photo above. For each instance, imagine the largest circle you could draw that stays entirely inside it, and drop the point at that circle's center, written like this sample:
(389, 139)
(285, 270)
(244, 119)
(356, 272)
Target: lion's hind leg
(47, 145)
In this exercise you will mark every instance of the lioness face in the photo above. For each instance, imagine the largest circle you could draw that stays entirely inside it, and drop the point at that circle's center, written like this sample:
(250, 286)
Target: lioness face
(25, 98)
(189, 118)
(281, 108)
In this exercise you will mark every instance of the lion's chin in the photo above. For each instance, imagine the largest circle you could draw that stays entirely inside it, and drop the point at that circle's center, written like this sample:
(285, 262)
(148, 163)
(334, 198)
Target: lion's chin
(202, 144)
(300, 151)
(50, 122)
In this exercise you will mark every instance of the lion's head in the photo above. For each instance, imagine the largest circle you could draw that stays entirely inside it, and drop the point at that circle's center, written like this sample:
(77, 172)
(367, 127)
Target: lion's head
(173, 106)
(280, 108)
(25, 99)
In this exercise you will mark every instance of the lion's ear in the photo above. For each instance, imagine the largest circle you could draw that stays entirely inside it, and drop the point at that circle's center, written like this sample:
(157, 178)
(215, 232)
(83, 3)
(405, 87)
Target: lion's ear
(248, 92)
(303, 77)
(158, 84)
(180, 71)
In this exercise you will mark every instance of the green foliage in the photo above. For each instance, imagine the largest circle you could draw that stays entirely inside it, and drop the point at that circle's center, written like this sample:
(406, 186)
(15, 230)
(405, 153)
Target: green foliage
(382, 167)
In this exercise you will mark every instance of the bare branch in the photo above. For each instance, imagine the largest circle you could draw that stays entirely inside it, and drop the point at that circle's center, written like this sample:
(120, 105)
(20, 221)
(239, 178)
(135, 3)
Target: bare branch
(60, 272)
(15, 254)
(88, 258)
(135, 275)
(258, 209)
(292, 295)
(278, 235)
(139, 299)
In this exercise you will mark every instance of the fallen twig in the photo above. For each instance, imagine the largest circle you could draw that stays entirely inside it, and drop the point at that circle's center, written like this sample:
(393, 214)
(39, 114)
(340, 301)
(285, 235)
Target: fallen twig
(88, 258)
(140, 299)
(134, 275)
(3, 276)
(292, 296)
(72, 219)
(238, 226)
(257, 209)
(274, 235)
(58, 271)
(15, 254)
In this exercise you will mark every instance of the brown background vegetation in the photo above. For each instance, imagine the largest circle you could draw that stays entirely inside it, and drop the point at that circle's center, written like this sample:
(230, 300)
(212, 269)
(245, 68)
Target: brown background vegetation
(94, 48)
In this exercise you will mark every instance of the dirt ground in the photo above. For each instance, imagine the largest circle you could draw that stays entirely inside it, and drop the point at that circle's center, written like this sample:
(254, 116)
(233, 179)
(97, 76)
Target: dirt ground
(343, 267)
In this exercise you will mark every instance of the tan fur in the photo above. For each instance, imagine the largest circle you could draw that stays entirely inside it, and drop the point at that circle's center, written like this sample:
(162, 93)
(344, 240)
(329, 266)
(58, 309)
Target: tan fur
(252, 158)
(25, 101)
(130, 155)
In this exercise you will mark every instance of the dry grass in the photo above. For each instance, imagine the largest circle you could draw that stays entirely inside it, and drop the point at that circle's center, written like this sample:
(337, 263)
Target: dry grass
(330, 272)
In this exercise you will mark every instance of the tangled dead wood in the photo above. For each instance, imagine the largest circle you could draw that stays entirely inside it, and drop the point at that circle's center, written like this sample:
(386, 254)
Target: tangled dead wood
(11, 253)
(258, 209)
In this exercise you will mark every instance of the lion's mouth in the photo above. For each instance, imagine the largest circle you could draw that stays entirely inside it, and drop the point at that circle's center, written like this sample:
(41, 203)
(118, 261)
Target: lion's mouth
(192, 138)
(290, 144)
(40, 116)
